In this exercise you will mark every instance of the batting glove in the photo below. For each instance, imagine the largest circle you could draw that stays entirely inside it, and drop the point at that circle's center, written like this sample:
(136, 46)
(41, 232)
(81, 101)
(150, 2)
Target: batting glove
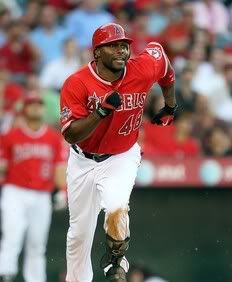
(165, 116)
(111, 102)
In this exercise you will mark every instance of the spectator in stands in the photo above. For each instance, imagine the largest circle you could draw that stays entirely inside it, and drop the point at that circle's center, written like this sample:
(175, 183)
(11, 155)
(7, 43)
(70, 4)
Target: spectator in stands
(217, 143)
(228, 76)
(121, 9)
(177, 35)
(11, 95)
(13, 7)
(160, 14)
(209, 80)
(203, 38)
(144, 5)
(224, 112)
(5, 19)
(49, 36)
(50, 99)
(230, 14)
(18, 55)
(197, 55)
(139, 33)
(211, 15)
(54, 73)
(63, 6)
(185, 96)
(31, 14)
(181, 142)
(83, 21)
(176, 140)
(204, 119)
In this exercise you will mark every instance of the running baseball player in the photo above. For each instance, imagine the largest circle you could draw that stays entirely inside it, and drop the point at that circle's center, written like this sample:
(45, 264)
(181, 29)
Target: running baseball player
(33, 160)
(102, 107)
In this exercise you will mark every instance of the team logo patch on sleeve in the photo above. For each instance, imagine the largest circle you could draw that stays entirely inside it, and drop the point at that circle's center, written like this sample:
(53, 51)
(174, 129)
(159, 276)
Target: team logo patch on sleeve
(93, 102)
(65, 114)
(155, 52)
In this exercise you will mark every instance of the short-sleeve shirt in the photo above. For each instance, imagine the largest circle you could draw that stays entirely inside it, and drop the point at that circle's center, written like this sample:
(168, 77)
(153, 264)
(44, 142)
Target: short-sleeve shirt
(17, 62)
(31, 157)
(83, 90)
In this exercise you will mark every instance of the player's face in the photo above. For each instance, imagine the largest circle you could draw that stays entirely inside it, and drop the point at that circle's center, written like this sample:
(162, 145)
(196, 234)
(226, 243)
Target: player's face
(34, 111)
(115, 55)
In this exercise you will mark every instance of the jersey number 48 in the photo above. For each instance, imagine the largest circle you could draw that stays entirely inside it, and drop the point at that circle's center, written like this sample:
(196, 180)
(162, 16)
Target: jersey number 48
(132, 123)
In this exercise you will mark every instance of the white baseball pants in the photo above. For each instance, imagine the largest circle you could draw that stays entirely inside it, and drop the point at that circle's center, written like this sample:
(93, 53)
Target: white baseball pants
(25, 215)
(94, 186)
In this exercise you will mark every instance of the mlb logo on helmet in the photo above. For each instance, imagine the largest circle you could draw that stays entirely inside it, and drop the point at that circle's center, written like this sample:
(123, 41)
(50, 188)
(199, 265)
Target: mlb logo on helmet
(33, 98)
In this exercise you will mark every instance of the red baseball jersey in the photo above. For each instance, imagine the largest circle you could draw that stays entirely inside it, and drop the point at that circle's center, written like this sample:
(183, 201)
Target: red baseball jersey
(83, 90)
(19, 60)
(31, 157)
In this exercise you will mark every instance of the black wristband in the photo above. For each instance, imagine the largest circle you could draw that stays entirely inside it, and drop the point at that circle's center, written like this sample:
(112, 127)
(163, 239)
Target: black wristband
(102, 112)
(170, 110)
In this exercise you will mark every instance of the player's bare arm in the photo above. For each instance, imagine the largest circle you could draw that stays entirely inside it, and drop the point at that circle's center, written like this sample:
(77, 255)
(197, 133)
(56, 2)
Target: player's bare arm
(59, 176)
(60, 197)
(169, 90)
(82, 128)
(169, 95)
(166, 115)
(3, 169)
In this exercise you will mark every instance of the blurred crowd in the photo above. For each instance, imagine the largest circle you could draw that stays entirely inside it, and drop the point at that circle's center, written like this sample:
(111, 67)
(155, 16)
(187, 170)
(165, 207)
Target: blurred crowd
(44, 41)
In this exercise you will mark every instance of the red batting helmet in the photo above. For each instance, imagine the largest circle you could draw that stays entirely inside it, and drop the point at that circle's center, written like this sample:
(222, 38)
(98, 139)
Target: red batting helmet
(109, 33)
(32, 98)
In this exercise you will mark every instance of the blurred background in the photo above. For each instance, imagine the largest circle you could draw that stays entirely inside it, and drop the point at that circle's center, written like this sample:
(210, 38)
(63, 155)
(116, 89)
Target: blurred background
(181, 205)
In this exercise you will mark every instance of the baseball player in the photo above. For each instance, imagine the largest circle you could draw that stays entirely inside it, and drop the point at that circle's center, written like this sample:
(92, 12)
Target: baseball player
(32, 157)
(102, 106)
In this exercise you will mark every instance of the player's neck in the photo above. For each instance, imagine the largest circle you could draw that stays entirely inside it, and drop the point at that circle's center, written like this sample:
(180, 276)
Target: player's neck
(34, 125)
(107, 74)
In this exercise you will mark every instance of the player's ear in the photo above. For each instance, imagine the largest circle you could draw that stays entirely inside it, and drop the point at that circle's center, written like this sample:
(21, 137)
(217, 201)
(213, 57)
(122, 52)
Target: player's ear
(129, 54)
(96, 53)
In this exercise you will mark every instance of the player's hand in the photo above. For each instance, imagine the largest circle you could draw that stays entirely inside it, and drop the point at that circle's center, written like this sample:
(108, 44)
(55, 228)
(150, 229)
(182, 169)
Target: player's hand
(111, 102)
(165, 116)
(60, 200)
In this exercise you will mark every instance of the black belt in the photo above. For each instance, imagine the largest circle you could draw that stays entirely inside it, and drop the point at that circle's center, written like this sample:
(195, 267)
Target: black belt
(96, 157)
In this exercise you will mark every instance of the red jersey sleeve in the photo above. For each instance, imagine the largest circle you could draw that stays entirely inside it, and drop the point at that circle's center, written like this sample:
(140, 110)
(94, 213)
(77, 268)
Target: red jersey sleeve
(156, 58)
(73, 101)
(5, 148)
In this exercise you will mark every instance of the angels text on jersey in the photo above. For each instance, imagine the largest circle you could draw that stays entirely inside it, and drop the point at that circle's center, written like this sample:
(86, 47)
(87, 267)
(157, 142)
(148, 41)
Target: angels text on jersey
(129, 101)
